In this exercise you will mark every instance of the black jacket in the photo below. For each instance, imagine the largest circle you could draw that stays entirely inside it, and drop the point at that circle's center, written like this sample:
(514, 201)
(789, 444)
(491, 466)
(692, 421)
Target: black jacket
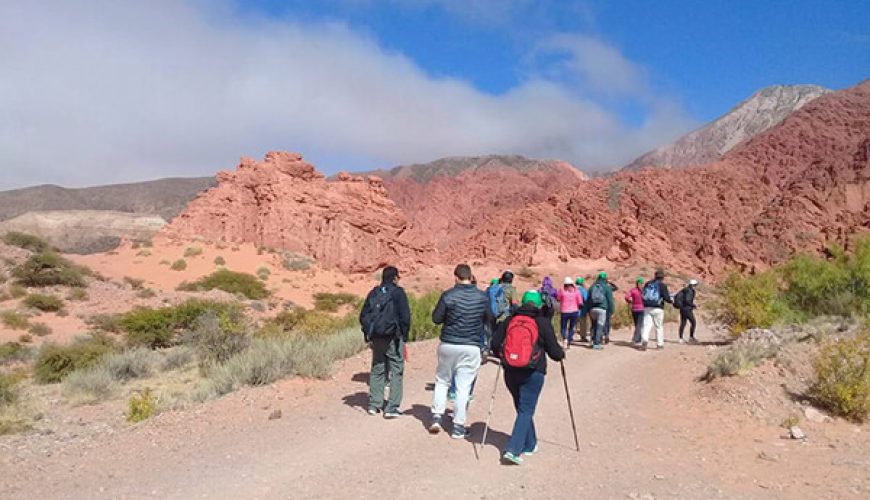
(546, 338)
(688, 298)
(463, 310)
(403, 310)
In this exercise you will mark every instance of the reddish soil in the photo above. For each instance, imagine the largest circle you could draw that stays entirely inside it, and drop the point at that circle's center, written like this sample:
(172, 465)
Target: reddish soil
(647, 429)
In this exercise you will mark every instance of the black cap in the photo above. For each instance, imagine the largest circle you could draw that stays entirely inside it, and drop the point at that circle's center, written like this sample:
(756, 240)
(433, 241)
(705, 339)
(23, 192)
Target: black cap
(507, 277)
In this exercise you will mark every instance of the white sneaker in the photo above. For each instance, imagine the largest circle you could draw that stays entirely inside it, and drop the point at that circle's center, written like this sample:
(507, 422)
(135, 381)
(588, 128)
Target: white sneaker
(682, 341)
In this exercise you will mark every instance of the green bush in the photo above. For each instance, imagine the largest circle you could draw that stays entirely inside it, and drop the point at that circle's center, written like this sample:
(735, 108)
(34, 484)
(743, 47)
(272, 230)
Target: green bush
(135, 283)
(25, 241)
(179, 265)
(300, 321)
(47, 269)
(192, 252)
(12, 352)
(146, 293)
(739, 359)
(25, 338)
(45, 303)
(158, 327)
(231, 282)
(16, 291)
(77, 294)
(142, 406)
(842, 371)
(54, 362)
(330, 302)
(750, 302)
(263, 273)
(39, 329)
(104, 322)
(8, 389)
(14, 320)
(217, 338)
(219, 261)
(422, 327)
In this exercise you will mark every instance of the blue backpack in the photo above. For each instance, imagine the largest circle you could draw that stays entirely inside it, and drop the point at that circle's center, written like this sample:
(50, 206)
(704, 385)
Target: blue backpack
(497, 300)
(652, 294)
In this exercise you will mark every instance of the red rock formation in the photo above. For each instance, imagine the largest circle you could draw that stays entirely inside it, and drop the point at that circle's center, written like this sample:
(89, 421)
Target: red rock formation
(283, 202)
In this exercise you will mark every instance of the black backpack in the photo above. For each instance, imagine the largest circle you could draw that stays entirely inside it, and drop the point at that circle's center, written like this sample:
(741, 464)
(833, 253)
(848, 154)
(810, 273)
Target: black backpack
(679, 298)
(380, 320)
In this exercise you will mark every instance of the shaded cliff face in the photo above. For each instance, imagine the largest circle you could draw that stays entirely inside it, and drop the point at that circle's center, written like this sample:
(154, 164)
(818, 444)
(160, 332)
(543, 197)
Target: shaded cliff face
(763, 110)
(449, 199)
(799, 186)
(283, 202)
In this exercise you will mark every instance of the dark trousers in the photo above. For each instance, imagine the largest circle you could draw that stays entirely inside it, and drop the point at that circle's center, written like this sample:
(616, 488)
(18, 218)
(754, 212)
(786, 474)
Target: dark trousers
(525, 386)
(387, 357)
(568, 322)
(637, 317)
(687, 314)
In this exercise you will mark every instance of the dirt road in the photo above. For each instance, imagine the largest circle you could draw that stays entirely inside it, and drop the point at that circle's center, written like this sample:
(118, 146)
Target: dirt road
(645, 432)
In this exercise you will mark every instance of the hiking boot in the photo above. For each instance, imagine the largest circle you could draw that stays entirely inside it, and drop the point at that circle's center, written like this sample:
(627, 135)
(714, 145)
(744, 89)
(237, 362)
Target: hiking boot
(393, 414)
(643, 346)
(530, 452)
(435, 427)
(459, 432)
(510, 459)
(607, 339)
(373, 411)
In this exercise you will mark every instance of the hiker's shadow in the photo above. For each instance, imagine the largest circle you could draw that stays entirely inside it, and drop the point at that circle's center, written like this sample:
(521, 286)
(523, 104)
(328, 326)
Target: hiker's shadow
(360, 377)
(624, 343)
(494, 438)
(357, 400)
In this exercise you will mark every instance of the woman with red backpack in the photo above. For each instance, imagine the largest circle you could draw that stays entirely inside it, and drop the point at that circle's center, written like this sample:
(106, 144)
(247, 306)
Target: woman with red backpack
(522, 342)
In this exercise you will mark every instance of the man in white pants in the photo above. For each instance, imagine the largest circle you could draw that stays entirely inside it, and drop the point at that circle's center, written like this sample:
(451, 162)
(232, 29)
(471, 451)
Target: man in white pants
(655, 294)
(463, 311)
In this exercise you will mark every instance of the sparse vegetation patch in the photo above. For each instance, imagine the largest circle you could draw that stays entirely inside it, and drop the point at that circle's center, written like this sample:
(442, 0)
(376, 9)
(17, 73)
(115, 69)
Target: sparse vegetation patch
(230, 282)
(44, 303)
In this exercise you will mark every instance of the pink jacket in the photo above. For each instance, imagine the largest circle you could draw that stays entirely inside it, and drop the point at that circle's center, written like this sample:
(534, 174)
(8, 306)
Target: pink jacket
(635, 298)
(570, 300)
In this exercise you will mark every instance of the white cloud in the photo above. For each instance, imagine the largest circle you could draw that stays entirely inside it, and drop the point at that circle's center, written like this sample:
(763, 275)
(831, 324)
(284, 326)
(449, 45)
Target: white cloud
(106, 91)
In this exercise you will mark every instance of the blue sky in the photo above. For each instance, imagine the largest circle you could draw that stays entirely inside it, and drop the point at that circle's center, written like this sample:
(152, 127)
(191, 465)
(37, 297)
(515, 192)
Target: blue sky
(710, 54)
(104, 91)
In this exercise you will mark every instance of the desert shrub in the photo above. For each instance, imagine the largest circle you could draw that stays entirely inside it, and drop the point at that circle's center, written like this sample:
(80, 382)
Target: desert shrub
(739, 359)
(25, 241)
(3, 277)
(219, 261)
(177, 357)
(90, 385)
(216, 338)
(526, 272)
(77, 294)
(45, 303)
(12, 352)
(158, 327)
(842, 371)
(164, 262)
(330, 302)
(300, 321)
(838, 286)
(421, 316)
(192, 252)
(263, 273)
(268, 360)
(143, 253)
(294, 262)
(146, 293)
(4, 296)
(142, 406)
(179, 265)
(14, 320)
(104, 322)
(231, 282)
(750, 302)
(47, 269)
(39, 329)
(134, 363)
(135, 283)
(622, 317)
(16, 291)
(54, 362)
(25, 338)
(8, 389)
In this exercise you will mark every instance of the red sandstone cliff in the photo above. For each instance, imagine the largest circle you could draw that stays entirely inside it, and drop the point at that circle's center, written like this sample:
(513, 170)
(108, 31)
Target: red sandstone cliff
(283, 202)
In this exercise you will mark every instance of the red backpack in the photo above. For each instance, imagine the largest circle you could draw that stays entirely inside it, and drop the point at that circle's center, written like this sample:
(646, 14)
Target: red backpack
(521, 348)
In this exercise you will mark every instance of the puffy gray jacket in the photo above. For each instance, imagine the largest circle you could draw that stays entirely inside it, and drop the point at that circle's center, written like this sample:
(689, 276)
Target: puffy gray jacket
(463, 311)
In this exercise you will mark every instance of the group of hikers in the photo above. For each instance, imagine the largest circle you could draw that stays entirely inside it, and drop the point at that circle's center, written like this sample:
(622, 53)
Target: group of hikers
(517, 330)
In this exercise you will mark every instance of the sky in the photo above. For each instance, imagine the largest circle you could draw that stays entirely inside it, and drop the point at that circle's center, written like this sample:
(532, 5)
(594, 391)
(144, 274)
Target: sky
(105, 91)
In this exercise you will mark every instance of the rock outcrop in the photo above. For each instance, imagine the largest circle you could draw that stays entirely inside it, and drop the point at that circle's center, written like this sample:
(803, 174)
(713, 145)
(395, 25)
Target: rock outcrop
(85, 231)
(283, 202)
(763, 110)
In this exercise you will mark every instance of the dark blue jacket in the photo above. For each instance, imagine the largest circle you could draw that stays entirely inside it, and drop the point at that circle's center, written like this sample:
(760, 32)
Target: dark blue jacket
(463, 311)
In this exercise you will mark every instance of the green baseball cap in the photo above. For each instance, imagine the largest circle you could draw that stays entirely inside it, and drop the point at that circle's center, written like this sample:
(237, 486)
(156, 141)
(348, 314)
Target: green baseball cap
(493, 281)
(602, 275)
(639, 280)
(579, 281)
(533, 297)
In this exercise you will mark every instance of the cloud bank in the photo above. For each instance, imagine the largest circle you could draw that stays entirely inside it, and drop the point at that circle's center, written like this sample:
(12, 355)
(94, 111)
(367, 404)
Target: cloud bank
(107, 91)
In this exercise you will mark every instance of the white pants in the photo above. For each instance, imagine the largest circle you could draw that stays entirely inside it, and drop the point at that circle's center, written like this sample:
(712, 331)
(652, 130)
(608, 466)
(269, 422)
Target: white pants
(459, 362)
(654, 316)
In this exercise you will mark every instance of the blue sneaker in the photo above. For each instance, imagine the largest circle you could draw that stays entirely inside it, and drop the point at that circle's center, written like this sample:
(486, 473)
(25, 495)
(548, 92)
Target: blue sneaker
(598, 347)
(531, 452)
(459, 432)
(510, 459)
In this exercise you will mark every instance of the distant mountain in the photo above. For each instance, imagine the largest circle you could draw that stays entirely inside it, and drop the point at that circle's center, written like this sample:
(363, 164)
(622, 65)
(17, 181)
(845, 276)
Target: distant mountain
(163, 197)
(764, 109)
(455, 165)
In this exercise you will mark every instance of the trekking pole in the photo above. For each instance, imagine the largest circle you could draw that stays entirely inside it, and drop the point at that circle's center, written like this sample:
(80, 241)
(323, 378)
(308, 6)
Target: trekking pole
(491, 402)
(570, 406)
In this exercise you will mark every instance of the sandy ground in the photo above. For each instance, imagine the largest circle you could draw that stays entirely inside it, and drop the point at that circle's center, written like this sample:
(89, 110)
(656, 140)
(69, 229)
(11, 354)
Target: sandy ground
(647, 430)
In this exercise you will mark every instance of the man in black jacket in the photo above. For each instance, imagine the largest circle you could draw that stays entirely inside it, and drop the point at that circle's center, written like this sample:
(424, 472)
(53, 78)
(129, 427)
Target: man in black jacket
(463, 311)
(655, 294)
(525, 384)
(686, 303)
(387, 305)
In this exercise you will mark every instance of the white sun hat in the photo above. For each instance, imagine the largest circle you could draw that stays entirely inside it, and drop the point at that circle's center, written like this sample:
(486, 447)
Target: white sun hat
(693, 282)
(568, 280)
